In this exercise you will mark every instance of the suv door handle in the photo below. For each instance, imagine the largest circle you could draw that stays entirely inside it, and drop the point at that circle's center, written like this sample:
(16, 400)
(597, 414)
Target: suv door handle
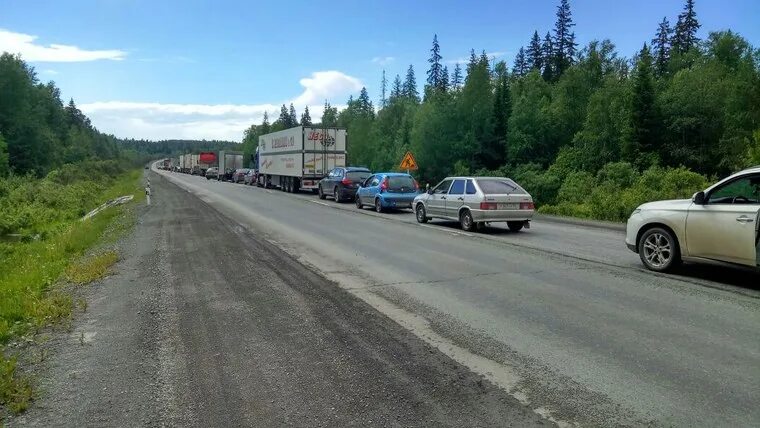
(744, 219)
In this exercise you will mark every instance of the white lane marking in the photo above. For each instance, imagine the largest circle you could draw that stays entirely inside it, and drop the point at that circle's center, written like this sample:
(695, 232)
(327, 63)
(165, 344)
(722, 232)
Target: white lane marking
(320, 203)
(148, 199)
(446, 230)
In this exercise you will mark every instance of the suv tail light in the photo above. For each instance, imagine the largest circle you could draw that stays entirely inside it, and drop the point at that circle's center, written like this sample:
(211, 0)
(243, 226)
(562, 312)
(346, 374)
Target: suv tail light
(346, 182)
(527, 206)
(488, 206)
(384, 185)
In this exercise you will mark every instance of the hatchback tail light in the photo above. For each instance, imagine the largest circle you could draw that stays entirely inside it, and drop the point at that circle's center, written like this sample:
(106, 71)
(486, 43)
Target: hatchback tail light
(488, 206)
(384, 185)
(527, 206)
(346, 182)
(416, 185)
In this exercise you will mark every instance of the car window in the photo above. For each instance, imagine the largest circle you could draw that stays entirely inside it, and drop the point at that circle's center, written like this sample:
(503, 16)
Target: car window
(401, 182)
(442, 188)
(357, 175)
(499, 186)
(375, 181)
(470, 188)
(457, 188)
(745, 190)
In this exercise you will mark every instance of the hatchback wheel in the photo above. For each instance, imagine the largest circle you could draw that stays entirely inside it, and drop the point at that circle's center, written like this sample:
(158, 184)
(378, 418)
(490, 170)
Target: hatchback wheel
(421, 214)
(378, 205)
(658, 250)
(359, 202)
(336, 194)
(515, 226)
(321, 193)
(465, 219)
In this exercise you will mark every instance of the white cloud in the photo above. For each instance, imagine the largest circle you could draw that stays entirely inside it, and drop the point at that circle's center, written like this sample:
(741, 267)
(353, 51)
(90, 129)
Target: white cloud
(156, 121)
(24, 44)
(50, 71)
(465, 60)
(383, 60)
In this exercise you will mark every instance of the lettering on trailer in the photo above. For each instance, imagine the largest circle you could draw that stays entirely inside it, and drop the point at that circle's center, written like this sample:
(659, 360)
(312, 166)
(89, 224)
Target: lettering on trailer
(325, 139)
(408, 163)
(283, 142)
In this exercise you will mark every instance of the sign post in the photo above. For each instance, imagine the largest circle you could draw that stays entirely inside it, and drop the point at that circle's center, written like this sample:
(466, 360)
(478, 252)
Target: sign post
(408, 163)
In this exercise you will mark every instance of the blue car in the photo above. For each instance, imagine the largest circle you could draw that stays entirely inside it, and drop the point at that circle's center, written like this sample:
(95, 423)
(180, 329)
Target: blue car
(387, 190)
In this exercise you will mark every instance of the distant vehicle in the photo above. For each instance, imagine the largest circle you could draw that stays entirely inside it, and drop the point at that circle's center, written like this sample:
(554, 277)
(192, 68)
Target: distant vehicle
(228, 163)
(717, 224)
(341, 183)
(167, 164)
(474, 201)
(387, 190)
(239, 175)
(297, 158)
(212, 172)
(226, 175)
(250, 177)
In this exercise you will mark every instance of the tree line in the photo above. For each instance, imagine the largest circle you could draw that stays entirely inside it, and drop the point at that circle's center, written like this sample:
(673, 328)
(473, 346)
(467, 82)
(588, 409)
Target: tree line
(561, 109)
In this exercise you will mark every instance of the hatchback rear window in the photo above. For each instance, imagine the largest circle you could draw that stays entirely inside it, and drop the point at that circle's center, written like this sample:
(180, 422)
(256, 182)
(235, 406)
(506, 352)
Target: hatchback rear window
(400, 182)
(357, 175)
(503, 186)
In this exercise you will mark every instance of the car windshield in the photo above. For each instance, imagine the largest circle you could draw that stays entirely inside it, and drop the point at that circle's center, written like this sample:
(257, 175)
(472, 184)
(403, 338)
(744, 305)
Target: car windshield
(358, 175)
(500, 186)
(400, 182)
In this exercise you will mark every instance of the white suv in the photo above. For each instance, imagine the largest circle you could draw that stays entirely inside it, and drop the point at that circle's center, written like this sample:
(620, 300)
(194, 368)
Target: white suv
(720, 223)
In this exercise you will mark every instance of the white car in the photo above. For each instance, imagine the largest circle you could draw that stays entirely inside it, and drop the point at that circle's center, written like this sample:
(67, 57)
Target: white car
(717, 224)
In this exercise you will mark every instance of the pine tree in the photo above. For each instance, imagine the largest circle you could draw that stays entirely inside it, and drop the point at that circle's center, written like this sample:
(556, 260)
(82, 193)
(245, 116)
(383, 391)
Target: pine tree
(564, 38)
(501, 112)
(292, 117)
(643, 114)
(443, 86)
(364, 104)
(685, 36)
(329, 116)
(472, 64)
(383, 89)
(661, 48)
(521, 64)
(409, 89)
(284, 118)
(547, 48)
(265, 126)
(396, 90)
(535, 53)
(435, 71)
(306, 117)
(456, 78)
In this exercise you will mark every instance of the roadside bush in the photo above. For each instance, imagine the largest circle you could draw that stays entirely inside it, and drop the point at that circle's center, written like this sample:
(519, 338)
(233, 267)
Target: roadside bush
(577, 188)
(542, 185)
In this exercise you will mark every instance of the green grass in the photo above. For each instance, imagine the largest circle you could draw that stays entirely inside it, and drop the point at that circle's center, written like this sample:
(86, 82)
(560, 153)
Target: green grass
(63, 250)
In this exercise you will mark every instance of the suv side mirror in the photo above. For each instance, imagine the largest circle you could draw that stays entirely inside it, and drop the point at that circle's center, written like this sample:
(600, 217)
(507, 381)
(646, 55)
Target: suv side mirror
(698, 198)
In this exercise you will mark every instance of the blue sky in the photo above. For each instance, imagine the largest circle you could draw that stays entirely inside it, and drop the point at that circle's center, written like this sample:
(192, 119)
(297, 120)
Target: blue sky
(203, 69)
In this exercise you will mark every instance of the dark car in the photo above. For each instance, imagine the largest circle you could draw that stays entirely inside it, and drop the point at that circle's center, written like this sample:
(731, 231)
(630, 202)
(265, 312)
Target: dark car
(341, 183)
(239, 175)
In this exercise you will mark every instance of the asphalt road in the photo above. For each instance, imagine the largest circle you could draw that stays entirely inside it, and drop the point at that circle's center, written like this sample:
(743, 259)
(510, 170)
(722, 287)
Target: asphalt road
(561, 316)
(208, 324)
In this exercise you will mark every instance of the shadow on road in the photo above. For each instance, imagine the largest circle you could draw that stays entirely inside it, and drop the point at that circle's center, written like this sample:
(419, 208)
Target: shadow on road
(729, 275)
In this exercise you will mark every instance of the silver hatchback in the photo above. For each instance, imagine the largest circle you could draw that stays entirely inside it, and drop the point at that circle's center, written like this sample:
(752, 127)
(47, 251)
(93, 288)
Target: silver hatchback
(474, 201)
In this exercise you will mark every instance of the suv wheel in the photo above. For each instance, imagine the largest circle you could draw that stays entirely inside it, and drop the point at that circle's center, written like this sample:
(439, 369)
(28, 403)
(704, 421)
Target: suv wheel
(359, 202)
(321, 194)
(336, 194)
(658, 250)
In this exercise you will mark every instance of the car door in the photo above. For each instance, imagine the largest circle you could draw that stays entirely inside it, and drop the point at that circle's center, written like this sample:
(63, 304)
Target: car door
(363, 191)
(455, 198)
(436, 202)
(327, 182)
(373, 187)
(725, 227)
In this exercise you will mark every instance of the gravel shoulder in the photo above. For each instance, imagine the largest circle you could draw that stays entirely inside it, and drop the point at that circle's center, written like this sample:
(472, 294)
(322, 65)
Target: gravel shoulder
(207, 324)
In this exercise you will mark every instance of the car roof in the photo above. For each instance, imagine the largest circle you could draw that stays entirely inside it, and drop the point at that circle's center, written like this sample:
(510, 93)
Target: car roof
(393, 174)
(356, 168)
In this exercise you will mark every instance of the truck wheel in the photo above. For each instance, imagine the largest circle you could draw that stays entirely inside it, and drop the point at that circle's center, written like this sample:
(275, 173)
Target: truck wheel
(336, 194)
(296, 185)
(320, 193)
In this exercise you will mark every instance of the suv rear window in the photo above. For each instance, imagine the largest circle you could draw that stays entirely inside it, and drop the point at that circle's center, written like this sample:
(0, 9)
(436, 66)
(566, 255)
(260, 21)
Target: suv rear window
(400, 182)
(358, 175)
(503, 186)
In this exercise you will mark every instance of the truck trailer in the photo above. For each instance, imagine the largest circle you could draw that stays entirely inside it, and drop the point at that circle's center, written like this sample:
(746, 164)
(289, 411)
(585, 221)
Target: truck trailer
(228, 163)
(297, 158)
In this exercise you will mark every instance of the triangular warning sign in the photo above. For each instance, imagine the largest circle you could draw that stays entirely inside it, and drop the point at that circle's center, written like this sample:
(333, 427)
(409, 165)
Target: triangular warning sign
(408, 162)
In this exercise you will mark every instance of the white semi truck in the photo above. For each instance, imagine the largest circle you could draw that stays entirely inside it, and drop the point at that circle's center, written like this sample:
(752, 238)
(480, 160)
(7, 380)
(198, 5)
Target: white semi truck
(297, 158)
(228, 163)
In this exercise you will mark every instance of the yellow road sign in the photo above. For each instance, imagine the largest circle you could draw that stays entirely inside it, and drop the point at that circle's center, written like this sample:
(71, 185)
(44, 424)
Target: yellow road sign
(408, 163)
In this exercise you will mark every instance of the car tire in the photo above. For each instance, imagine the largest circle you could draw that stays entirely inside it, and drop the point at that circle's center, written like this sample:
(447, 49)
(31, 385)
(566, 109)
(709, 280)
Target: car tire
(378, 205)
(359, 204)
(421, 213)
(321, 193)
(466, 221)
(515, 226)
(336, 194)
(659, 250)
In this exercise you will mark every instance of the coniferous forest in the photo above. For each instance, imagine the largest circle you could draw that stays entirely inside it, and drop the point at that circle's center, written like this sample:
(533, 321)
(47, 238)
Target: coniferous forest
(588, 132)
